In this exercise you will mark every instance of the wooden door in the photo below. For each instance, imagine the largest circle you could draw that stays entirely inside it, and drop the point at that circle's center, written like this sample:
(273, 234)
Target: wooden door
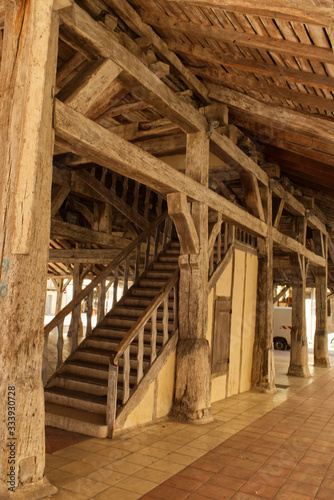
(221, 335)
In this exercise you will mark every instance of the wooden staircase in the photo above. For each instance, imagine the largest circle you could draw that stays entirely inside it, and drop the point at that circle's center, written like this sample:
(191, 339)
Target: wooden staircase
(79, 396)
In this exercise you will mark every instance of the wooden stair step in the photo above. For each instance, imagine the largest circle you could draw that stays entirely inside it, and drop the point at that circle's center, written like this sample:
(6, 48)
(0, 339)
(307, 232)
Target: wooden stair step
(76, 420)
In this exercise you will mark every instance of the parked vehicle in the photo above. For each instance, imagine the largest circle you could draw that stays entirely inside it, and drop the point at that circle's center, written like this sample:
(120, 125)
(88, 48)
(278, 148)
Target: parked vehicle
(282, 328)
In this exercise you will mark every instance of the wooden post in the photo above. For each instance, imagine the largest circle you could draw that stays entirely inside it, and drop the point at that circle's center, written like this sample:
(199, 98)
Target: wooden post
(263, 368)
(76, 329)
(320, 336)
(193, 372)
(299, 349)
(111, 398)
(28, 69)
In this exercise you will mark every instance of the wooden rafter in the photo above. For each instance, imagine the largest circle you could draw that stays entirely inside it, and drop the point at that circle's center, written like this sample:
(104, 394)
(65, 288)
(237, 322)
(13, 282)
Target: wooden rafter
(234, 37)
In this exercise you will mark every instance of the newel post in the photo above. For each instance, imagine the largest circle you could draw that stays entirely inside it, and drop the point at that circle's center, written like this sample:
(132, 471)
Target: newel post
(112, 397)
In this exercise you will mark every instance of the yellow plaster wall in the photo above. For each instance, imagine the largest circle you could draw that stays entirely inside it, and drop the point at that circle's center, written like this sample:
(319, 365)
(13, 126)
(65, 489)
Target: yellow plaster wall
(236, 322)
(249, 322)
(243, 296)
(158, 400)
(143, 412)
(166, 382)
(218, 388)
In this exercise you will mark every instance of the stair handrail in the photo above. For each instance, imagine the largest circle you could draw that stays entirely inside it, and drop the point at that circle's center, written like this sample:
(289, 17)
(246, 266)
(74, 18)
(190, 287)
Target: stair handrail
(145, 316)
(160, 230)
(103, 274)
(123, 349)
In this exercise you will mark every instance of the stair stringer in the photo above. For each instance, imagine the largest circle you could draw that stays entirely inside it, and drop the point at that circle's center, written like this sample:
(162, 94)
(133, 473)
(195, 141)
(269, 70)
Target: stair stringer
(124, 414)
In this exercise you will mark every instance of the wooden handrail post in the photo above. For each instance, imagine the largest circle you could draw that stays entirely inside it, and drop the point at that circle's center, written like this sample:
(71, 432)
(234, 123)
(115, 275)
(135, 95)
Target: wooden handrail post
(126, 375)
(112, 397)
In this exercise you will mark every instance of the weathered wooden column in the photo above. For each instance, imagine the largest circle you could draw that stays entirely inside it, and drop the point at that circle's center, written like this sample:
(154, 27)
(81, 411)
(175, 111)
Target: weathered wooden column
(28, 69)
(193, 371)
(299, 349)
(263, 368)
(76, 328)
(320, 337)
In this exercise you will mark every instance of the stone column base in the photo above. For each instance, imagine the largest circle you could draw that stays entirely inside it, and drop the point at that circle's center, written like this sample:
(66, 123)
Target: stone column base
(322, 362)
(32, 491)
(299, 371)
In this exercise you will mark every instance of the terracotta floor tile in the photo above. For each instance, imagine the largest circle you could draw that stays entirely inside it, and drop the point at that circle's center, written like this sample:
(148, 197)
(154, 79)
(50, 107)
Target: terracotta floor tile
(223, 481)
(300, 488)
(237, 472)
(183, 483)
(207, 465)
(240, 495)
(194, 473)
(268, 479)
(306, 478)
(163, 492)
(215, 492)
(324, 494)
(258, 489)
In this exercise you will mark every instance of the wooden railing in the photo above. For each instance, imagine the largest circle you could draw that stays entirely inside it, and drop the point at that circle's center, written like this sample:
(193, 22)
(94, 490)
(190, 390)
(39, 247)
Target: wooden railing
(163, 309)
(126, 268)
(140, 202)
(223, 235)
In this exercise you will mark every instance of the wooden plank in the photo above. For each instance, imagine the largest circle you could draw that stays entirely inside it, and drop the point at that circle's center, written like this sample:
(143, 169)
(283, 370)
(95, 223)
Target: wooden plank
(107, 149)
(221, 335)
(110, 197)
(221, 77)
(84, 90)
(301, 11)
(284, 47)
(125, 11)
(72, 232)
(222, 147)
(291, 245)
(241, 63)
(275, 116)
(136, 75)
(85, 256)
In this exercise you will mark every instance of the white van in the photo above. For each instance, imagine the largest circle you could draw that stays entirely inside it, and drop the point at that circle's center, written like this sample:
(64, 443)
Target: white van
(282, 328)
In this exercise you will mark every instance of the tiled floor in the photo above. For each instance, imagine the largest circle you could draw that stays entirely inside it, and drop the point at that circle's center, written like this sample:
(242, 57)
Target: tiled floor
(258, 446)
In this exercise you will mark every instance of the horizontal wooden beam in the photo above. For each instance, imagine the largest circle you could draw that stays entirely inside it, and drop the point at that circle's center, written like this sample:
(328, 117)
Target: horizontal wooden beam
(108, 150)
(274, 116)
(302, 11)
(235, 38)
(293, 246)
(69, 231)
(242, 63)
(86, 32)
(85, 256)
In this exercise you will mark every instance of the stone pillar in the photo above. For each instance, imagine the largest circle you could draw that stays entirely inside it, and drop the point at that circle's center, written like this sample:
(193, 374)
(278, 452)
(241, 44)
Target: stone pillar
(28, 70)
(299, 348)
(193, 371)
(320, 336)
(263, 368)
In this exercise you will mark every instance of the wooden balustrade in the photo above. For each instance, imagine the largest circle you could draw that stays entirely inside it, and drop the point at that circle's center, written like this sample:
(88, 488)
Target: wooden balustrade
(222, 238)
(164, 308)
(144, 200)
(126, 268)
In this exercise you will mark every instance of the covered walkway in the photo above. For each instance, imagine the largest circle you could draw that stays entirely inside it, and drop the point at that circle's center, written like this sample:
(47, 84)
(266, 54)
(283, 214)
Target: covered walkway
(259, 446)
